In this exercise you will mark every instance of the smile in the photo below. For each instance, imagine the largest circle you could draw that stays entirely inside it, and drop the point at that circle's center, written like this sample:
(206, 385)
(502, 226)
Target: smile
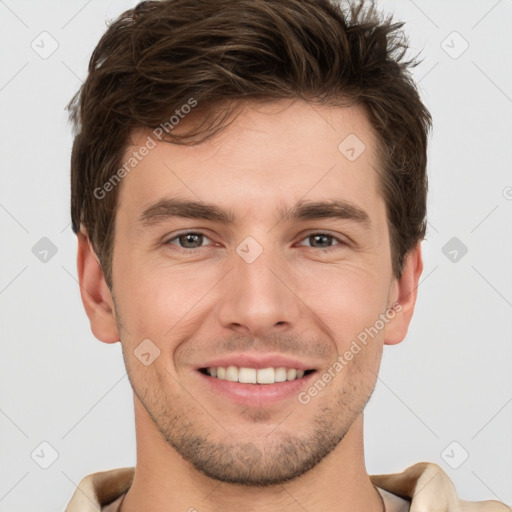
(247, 375)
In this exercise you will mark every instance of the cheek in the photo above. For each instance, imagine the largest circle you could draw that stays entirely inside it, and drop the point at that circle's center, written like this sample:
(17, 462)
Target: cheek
(159, 301)
(347, 300)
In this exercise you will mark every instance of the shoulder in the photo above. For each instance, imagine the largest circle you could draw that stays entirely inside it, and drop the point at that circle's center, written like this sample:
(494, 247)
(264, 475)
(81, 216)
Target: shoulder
(428, 487)
(100, 488)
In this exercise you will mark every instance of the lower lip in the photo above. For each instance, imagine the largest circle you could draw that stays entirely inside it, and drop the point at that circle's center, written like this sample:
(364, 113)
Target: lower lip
(257, 394)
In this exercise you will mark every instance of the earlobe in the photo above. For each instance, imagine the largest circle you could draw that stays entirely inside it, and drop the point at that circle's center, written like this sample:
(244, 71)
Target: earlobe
(405, 292)
(96, 296)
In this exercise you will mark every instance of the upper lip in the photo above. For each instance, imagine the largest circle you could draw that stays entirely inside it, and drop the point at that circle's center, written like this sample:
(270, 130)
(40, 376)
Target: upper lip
(257, 361)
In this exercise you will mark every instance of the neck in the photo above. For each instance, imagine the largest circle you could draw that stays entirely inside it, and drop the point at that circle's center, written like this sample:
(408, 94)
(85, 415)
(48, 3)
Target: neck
(164, 482)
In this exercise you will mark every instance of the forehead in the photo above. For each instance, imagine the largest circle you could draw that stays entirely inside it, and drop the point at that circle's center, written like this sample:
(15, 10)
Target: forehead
(271, 154)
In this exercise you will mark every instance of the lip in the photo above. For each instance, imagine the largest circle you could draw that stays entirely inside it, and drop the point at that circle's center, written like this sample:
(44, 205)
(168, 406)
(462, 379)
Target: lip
(256, 395)
(257, 361)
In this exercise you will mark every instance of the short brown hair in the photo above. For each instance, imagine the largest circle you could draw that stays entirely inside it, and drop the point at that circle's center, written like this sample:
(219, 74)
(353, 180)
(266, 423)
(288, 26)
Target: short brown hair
(157, 56)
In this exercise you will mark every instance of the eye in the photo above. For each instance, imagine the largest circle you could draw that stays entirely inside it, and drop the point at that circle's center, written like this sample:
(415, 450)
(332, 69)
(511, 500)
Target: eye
(195, 240)
(322, 241)
(190, 240)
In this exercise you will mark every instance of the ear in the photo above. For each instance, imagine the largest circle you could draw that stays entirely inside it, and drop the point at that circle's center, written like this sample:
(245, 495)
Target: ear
(96, 296)
(403, 295)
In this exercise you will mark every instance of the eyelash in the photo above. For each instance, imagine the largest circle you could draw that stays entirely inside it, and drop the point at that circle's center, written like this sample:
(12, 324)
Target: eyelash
(340, 243)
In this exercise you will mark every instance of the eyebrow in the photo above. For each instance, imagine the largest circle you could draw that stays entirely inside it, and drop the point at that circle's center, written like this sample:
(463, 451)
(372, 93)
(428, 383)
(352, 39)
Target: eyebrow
(168, 208)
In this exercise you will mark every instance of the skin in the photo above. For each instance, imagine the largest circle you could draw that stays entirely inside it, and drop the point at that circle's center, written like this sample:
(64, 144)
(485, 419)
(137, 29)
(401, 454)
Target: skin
(304, 296)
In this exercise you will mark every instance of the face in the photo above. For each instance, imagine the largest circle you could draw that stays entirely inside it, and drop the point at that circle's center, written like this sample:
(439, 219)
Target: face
(261, 255)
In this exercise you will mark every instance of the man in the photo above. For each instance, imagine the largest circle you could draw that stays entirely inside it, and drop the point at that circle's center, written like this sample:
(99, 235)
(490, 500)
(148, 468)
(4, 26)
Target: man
(249, 195)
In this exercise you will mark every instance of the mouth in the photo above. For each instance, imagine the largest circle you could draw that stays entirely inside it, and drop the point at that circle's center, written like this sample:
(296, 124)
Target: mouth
(256, 380)
(255, 376)
(256, 387)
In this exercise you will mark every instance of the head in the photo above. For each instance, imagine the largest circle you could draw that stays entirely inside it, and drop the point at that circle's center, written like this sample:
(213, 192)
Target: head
(249, 181)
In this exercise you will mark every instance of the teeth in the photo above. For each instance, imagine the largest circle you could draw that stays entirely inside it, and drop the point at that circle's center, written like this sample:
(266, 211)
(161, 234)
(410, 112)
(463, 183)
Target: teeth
(280, 374)
(266, 376)
(232, 373)
(253, 375)
(247, 375)
(291, 373)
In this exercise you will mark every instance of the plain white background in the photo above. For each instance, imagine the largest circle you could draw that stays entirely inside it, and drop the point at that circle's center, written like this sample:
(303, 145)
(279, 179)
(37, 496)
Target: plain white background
(443, 395)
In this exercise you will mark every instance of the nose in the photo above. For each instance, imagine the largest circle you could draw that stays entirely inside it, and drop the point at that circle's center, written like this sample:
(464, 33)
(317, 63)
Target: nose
(258, 298)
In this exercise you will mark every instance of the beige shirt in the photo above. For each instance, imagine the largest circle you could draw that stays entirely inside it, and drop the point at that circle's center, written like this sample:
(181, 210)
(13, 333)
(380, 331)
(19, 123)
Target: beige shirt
(424, 487)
